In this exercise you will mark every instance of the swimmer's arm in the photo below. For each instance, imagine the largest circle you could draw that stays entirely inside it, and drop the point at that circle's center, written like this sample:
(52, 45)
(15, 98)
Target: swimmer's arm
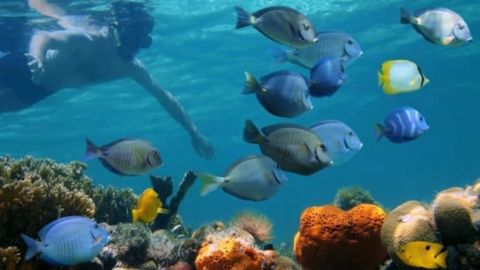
(141, 75)
(63, 40)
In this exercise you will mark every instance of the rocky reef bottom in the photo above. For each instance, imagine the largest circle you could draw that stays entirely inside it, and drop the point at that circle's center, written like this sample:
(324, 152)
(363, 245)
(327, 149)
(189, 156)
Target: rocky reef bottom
(353, 233)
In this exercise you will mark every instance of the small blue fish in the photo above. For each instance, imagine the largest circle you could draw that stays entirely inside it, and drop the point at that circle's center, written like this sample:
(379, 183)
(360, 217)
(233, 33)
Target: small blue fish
(68, 241)
(341, 141)
(402, 125)
(125, 156)
(326, 77)
(282, 93)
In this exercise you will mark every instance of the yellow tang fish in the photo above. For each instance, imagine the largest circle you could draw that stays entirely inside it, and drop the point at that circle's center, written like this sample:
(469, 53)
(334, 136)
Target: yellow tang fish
(423, 254)
(401, 76)
(148, 207)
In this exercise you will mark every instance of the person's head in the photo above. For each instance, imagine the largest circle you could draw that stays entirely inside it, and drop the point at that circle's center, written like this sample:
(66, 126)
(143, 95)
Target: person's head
(130, 25)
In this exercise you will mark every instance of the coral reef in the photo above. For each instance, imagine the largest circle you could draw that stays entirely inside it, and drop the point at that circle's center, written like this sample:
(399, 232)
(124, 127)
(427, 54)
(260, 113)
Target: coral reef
(9, 257)
(219, 253)
(451, 220)
(130, 243)
(349, 197)
(164, 188)
(259, 226)
(163, 248)
(285, 263)
(331, 239)
(113, 205)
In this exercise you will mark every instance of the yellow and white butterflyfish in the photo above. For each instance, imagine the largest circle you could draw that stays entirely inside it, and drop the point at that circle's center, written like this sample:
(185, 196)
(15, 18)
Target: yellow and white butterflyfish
(401, 76)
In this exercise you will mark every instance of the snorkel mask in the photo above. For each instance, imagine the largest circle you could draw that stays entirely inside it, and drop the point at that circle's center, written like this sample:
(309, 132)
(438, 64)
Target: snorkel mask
(130, 26)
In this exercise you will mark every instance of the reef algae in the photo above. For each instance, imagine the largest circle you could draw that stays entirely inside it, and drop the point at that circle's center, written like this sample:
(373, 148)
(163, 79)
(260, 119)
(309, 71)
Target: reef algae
(258, 225)
(332, 239)
(349, 197)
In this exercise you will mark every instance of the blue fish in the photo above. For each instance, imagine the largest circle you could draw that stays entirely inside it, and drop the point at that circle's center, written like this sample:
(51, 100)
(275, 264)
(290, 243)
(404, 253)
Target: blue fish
(326, 77)
(341, 141)
(282, 93)
(68, 241)
(402, 125)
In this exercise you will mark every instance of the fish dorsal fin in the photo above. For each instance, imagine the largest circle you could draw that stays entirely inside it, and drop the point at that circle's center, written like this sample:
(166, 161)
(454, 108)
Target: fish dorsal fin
(108, 145)
(235, 164)
(274, 8)
(43, 232)
(280, 73)
(270, 129)
(325, 122)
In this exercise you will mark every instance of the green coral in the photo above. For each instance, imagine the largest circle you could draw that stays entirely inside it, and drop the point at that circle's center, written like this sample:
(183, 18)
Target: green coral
(349, 197)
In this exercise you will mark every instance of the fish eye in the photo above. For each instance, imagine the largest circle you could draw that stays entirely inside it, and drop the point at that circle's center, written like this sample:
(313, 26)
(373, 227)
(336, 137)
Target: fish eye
(427, 247)
(323, 147)
(96, 226)
(461, 26)
(350, 133)
(306, 27)
(421, 118)
(350, 42)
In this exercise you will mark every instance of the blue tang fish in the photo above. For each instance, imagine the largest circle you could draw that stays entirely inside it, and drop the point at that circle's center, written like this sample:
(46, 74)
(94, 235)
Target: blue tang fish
(282, 93)
(402, 125)
(68, 241)
(341, 141)
(334, 44)
(326, 77)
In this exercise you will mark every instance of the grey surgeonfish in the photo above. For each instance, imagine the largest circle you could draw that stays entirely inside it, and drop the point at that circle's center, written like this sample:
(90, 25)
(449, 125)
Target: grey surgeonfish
(438, 25)
(254, 178)
(282, 93)
(281, 24)
(295, 148)
(125, 156)
(341, 140)
(334, 44)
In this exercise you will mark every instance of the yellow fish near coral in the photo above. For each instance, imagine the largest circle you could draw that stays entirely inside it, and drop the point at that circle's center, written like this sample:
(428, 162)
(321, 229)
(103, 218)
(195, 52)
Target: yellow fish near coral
(148, 207)
(401, 76)
(424, 255)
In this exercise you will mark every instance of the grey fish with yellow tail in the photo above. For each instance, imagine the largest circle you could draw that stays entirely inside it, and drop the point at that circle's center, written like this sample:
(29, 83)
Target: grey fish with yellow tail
(281, 24)
(438, 25)
(295, 148)
(423, 254)
(253, 178)
(125, 156)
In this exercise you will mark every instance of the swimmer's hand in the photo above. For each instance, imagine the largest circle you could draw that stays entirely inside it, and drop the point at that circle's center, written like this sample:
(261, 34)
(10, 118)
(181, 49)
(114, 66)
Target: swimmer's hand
(36, 68)
(203, 147)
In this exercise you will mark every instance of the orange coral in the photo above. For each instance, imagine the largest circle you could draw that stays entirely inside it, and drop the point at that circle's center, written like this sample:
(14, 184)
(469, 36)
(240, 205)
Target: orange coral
(331, 239)
(231, 253)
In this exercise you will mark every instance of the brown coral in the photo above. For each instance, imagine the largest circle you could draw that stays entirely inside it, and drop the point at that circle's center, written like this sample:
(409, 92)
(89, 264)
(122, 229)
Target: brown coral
(453, 215)
(9, 257)
(259, 226)
(331, 239)
(409, 222)
(231, 253)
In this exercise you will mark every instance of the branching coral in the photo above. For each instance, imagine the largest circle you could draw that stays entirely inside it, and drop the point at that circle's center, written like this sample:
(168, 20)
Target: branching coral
(259, 226)
(9, 257)
(130, 243)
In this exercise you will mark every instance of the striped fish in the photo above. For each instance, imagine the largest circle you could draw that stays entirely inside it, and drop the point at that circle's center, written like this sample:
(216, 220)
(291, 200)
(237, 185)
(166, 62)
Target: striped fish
(402, 125)
(125, 156)
(295, 148)
(67, 241)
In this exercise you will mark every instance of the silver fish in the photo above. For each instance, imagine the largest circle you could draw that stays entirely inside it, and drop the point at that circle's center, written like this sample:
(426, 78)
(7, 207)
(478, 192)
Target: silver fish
(125, 156)
(281, 24)
(254, 178)
(438, 25)
(334, 44)
(293, 147)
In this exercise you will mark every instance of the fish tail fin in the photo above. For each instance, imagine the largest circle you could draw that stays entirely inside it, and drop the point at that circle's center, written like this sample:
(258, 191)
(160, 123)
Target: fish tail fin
(405, 16)
(279, 54)
(162, 211)
(209, 182)
(92, 151)
(251, 134)
(33, 246)
(379, 131)
(243, 18)
(251, 85)
(134, 215)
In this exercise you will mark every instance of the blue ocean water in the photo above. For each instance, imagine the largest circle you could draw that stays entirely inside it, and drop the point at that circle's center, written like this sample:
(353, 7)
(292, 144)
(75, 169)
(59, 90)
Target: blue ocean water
(200, 58)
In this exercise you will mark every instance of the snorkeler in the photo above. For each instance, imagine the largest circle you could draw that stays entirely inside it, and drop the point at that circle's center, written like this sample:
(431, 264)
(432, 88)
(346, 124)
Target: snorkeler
(80, 57)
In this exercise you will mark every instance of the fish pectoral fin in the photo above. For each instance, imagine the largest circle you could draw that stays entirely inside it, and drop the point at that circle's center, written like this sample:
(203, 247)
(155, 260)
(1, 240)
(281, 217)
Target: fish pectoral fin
(309, 152)
(447, 40)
